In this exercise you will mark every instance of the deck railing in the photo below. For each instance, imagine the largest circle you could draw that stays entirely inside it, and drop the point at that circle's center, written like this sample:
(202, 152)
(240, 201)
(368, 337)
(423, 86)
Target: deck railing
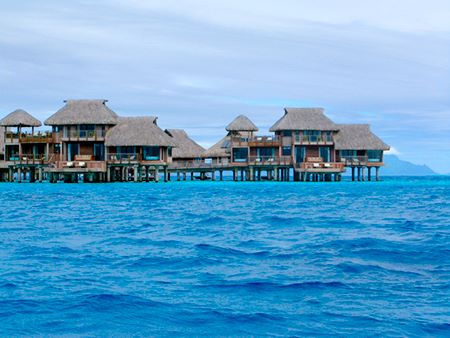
(354, 160)
(269, 160)
(36, 138)
(311, 139)
(81, 165)
(46, 137)
(361, 161)
(131, 157)
(27, 158)
(256, 141)
(124, 157)
(321, 166)
(195, 164)
(84, 134)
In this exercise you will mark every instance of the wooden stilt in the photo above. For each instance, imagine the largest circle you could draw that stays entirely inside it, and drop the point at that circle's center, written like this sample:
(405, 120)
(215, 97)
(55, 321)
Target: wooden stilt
(157, 174)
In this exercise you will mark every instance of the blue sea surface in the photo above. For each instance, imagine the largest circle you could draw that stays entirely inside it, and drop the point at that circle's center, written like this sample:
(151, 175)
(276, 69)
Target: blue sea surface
(226, 258)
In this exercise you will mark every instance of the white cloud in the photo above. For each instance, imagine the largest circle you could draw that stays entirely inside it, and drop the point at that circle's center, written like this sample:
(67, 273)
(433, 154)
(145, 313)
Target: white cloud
(399, 15)
(393, 151)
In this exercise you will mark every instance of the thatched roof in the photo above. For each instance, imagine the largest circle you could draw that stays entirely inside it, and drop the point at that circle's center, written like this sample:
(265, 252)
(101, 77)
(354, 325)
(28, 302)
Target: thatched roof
(137, 131)
(357, 137)
(83, 112)
(220, 149)
(241, 123)
(21, 118)
(185, 146)
(304, 119)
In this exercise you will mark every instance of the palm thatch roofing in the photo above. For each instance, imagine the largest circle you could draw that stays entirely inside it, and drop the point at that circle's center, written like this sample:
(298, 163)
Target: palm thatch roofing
(83, 112)
(220, 149)
(137, 131)
(185, 146)
(304, 119)
(358, 137)
(20, 118)
(241, 123)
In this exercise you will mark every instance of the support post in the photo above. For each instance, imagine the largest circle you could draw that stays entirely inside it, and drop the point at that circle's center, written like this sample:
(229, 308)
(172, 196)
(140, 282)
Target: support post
(136, 174)
(157, 174)
(377, 173)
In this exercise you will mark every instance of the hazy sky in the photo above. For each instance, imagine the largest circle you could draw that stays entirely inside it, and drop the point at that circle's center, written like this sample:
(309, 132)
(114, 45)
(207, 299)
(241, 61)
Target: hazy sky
(197, 64)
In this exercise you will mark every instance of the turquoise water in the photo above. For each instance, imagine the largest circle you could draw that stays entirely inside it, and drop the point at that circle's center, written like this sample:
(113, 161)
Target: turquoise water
(225, 258)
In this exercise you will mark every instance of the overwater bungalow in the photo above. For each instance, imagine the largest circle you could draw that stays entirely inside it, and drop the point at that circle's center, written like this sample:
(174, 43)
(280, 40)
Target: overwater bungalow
(89, 141)
(25, 150)
(79, 129)
(234, 146)
(359, 148)
(307, 137)
(137, 147)
(186, 150)
(186, 156)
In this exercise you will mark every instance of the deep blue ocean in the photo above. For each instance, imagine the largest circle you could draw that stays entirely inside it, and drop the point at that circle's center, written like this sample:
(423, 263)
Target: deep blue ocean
(226, 258)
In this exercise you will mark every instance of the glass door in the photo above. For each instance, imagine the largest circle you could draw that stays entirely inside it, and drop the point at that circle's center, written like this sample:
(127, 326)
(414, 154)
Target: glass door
(300, 154)
(325, 154)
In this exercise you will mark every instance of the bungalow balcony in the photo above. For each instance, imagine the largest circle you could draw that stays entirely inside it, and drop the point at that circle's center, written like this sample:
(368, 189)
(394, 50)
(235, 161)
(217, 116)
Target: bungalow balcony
(256, 141)
(314, 140)
(83, 135)
(16, 138)
(321, 167)
(317, 165)
(124, 158)
(355, 161)
(78, 166)
(264, 161)
(27, 159)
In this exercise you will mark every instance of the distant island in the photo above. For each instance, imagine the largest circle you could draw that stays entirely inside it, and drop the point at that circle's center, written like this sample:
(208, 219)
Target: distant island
(394, 166)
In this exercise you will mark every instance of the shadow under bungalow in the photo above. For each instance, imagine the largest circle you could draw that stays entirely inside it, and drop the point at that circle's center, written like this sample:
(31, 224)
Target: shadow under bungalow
(85, 140)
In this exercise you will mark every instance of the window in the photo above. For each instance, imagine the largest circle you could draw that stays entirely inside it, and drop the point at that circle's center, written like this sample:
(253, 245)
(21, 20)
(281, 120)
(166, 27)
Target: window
(169, 151)
(348, 153)
(151, 153)
(240, 154)
(329, 136)
(87, 130)
(286, 151)
(375, 155)
(287, 133)
(312, 135)
(297, 136)
(265, 153)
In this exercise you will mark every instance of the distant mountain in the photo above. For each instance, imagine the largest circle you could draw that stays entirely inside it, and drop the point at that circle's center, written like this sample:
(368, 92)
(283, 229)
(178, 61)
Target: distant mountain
(397, 167)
